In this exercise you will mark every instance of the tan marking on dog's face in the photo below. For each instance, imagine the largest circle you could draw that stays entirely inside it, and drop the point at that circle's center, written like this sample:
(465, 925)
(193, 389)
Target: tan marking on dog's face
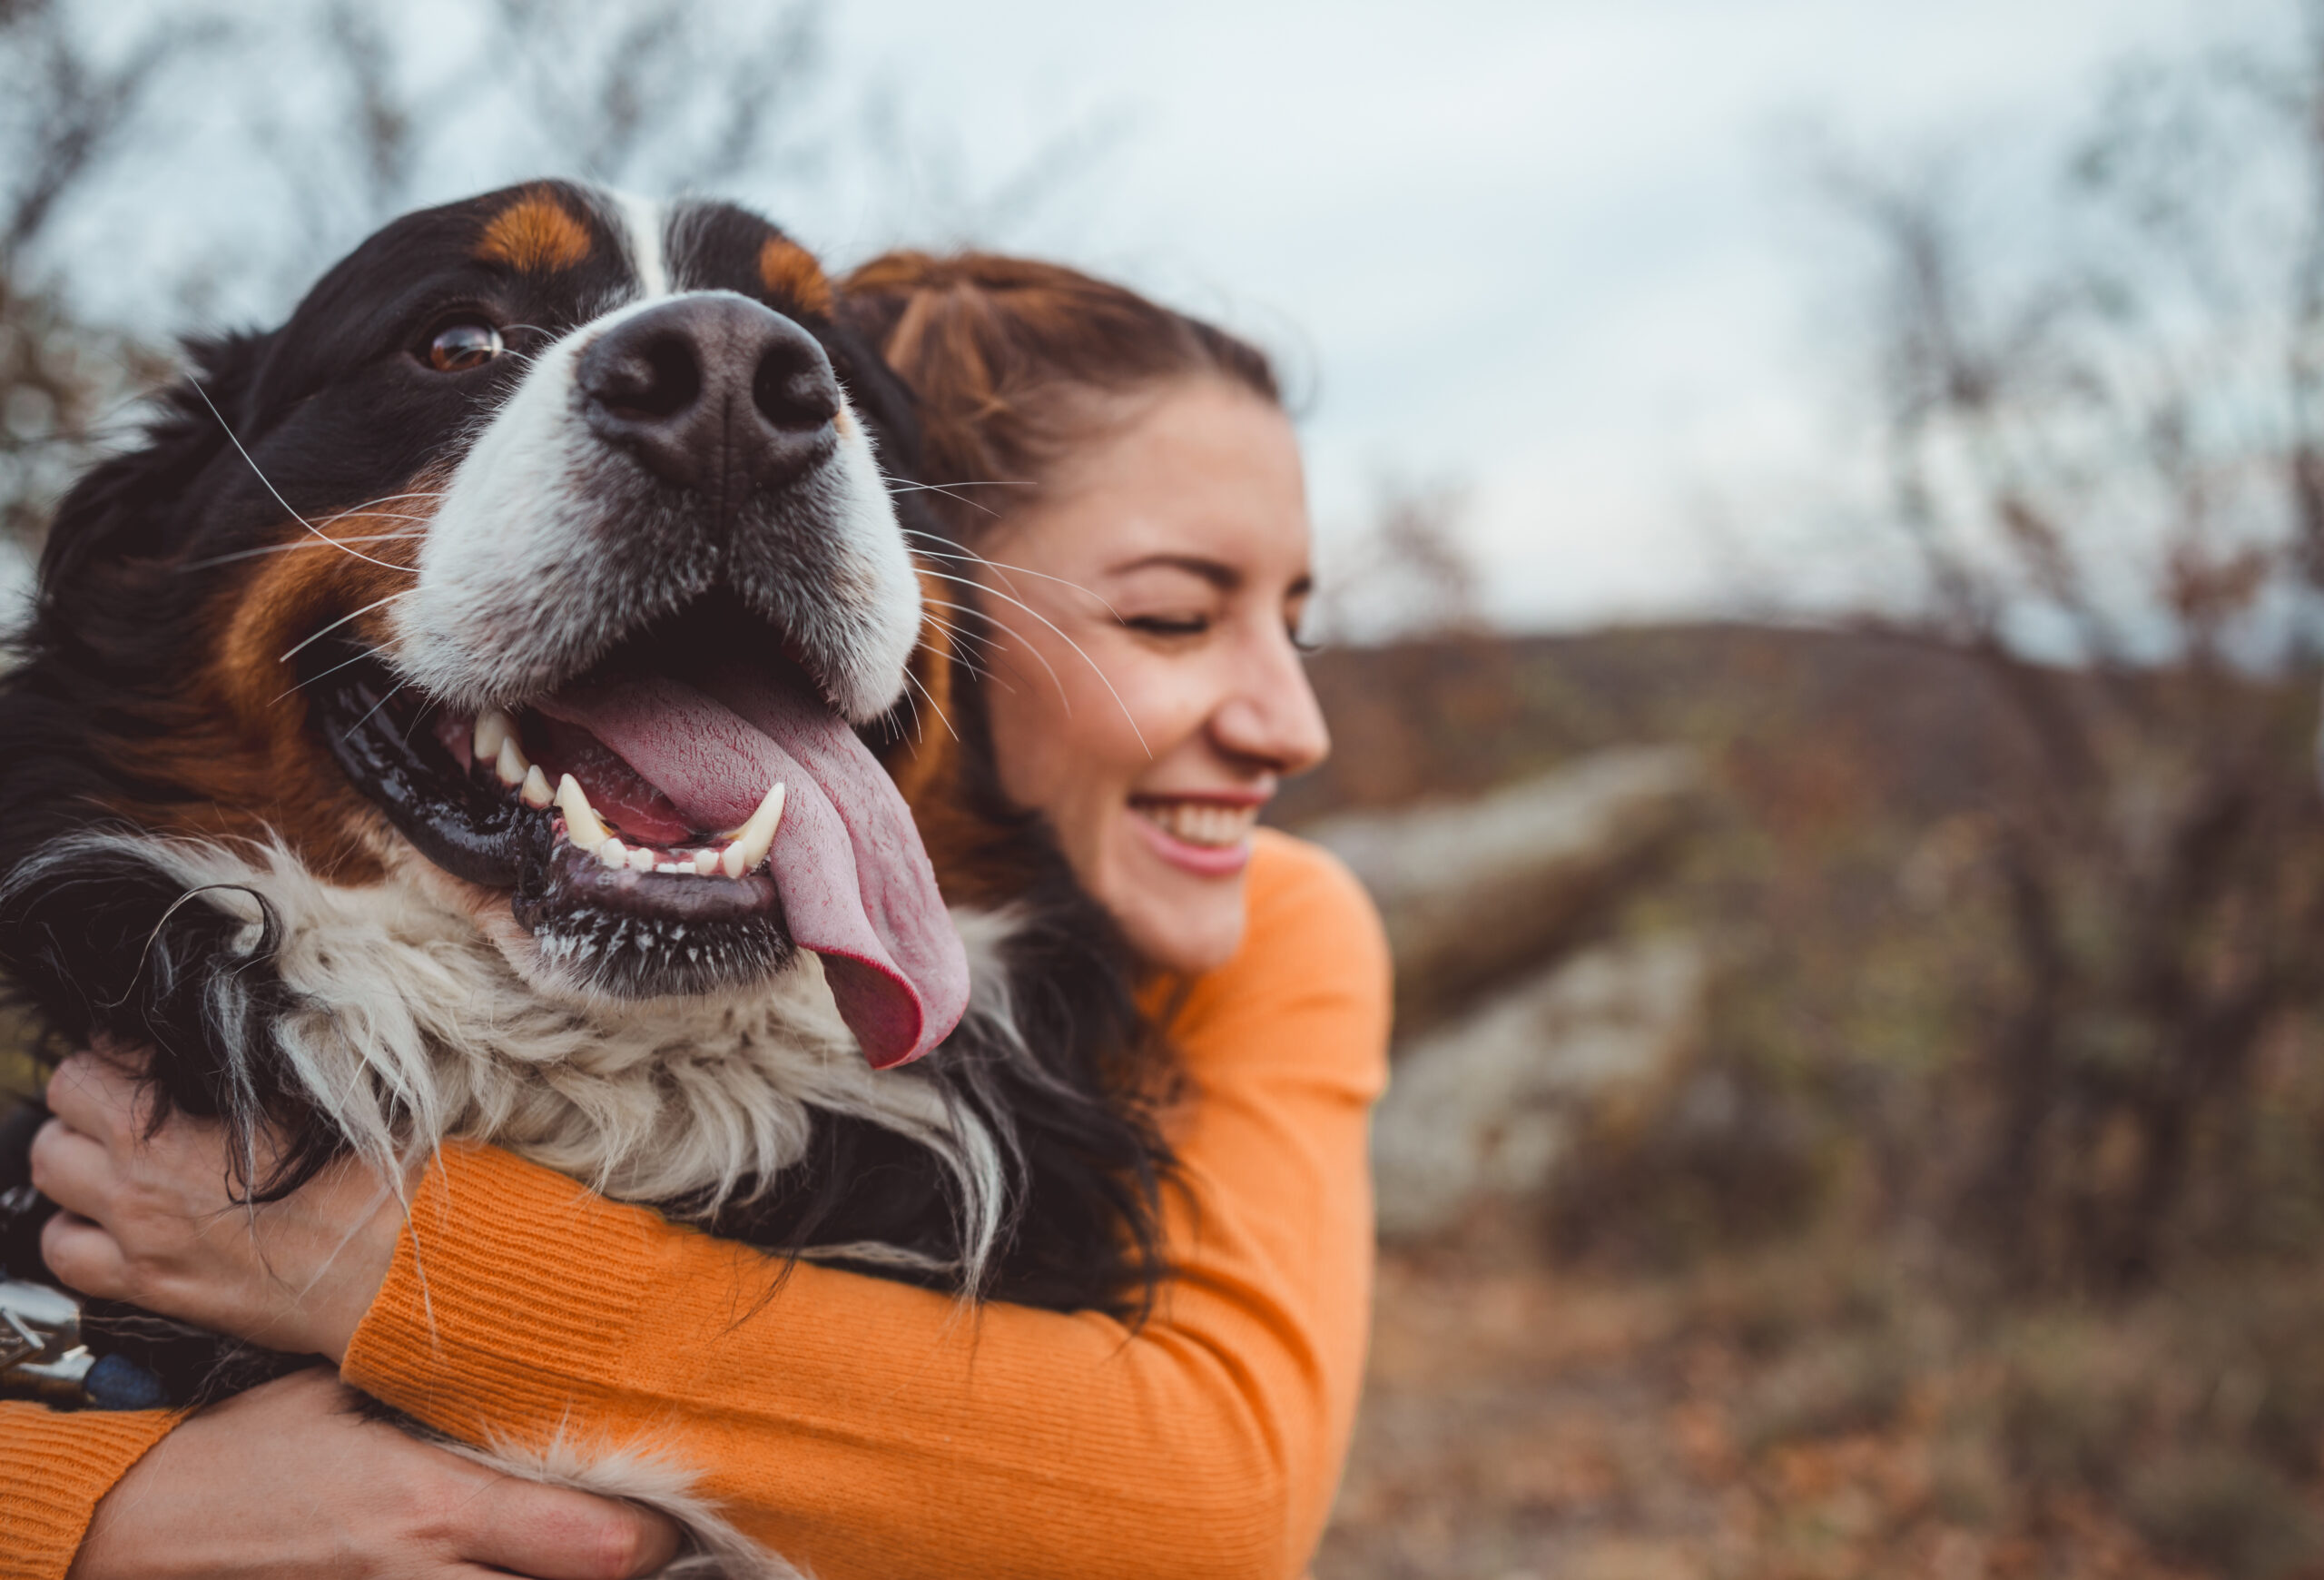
(236, 731)
(534, 234)
(791, 273)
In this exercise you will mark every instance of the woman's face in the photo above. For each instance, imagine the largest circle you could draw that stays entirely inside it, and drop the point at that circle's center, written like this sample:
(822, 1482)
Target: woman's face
(1146, 691)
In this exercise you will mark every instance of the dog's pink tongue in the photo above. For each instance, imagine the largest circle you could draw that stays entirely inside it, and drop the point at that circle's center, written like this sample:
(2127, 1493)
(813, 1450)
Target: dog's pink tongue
(855, 881)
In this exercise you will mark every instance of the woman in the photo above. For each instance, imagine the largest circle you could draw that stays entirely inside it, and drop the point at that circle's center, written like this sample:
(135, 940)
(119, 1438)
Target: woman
(1145, 695)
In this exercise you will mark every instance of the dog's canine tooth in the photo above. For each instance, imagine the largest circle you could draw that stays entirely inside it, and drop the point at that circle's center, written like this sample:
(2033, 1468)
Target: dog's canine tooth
(537, 794)
(754, 838)
(493, 727)
(581, 824)
(509, 765)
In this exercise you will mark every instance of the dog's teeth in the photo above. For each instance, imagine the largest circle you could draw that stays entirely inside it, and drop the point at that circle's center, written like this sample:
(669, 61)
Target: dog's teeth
(613, 853)
(581, 824)
(641, 859)
(676, 869)
(511, 765)
(492, 727)
(705, 861)
(753, 839)
(536, 793)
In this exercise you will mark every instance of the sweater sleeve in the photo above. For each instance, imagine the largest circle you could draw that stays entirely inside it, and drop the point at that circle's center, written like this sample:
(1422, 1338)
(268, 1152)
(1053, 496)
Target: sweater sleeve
(55, 1468)
(864, 1427)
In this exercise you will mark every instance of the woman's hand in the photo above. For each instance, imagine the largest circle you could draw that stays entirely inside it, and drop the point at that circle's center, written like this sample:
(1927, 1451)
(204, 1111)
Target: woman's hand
(288, 1480)
(152, 1221)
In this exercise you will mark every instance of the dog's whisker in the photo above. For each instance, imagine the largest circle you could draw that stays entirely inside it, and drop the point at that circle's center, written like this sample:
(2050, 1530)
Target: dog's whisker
(270, 489)
(430, 705)
(973, 667)
(374, 708)
(395, 498)
(959, 633)
(918, 734)
(907, 484)
(914, 681)
(973, 557)
(952, 490)
(1128, 717)
(303, 543)
(310, 679)
(342, 621)
(1038, 657)
(983, 644)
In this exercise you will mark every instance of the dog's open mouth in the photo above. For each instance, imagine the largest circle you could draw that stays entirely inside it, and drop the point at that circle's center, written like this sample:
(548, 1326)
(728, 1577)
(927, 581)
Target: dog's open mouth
(681, 819)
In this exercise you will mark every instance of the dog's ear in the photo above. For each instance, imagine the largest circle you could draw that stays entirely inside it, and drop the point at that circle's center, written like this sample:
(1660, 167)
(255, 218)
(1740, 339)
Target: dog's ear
(127, 508)
(879, 397)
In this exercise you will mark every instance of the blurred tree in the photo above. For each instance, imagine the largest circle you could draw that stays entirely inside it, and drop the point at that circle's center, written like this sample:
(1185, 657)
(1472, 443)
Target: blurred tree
(360, 110)
(66, 110)
(655, 96)
(2103, 441)
(1409, 574)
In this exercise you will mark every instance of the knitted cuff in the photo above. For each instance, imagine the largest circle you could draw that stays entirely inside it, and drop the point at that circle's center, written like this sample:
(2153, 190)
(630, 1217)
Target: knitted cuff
(55, 1468)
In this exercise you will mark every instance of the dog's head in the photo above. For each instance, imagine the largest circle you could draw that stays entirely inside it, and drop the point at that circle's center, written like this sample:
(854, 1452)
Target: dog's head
(544, 556)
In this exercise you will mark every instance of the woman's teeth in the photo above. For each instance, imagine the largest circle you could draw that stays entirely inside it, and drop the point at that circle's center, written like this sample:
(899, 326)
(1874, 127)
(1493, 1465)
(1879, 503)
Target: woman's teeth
(1204, 823)
(744, 849)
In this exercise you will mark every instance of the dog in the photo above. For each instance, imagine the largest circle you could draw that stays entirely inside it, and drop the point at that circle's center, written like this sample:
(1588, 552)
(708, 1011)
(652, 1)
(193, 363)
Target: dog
(501, 702)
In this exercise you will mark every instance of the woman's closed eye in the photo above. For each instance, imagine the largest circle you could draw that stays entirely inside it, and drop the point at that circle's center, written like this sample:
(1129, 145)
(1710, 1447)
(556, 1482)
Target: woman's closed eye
(1168, 626)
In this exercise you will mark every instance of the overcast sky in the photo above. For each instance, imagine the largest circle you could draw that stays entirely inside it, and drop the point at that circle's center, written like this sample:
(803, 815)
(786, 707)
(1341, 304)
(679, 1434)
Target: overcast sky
(1561, 251)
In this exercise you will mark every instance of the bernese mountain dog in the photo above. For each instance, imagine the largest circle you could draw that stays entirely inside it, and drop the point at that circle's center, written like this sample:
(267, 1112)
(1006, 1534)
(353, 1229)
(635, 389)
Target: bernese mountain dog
(501, 704)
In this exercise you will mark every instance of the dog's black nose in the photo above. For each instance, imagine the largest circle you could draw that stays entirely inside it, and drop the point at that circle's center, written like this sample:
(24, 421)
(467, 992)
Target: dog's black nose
(713, 392)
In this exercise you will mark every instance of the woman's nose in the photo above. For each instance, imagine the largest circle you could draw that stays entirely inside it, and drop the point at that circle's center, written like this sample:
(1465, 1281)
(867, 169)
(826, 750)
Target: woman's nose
(1270, 712)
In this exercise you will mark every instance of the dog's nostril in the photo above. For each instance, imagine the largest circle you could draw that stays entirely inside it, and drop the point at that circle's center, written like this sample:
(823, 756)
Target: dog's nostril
(712, 391)
(793, 387)
(656, 379)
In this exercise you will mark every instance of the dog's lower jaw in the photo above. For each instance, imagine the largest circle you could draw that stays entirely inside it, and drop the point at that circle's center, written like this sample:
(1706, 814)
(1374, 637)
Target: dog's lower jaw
(548, 960)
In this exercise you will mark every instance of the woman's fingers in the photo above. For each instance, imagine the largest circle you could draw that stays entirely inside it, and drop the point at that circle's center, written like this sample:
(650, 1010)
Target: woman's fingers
(95, 1097)
(71, 1168)
(289, 1481)
(554, 1534)
(85, 1256)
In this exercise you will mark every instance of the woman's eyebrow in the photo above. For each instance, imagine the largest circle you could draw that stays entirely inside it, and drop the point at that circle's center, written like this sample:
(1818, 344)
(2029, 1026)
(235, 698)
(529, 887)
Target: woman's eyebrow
(1217, 572)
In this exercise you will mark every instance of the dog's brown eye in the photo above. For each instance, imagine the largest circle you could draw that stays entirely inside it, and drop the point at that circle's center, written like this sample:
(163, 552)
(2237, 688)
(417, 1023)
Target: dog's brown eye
(457, 347)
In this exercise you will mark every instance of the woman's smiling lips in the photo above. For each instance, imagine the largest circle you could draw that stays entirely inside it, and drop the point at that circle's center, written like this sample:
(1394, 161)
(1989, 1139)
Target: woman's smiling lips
(1208, 835)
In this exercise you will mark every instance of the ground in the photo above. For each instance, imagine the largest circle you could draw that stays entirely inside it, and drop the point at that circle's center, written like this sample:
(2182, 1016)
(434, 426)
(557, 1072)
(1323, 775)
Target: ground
(1525, 1421)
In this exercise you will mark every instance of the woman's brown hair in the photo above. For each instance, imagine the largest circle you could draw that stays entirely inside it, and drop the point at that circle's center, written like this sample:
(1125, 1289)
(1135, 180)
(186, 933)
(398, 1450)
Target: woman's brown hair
(1013, 364)
(1004, 354)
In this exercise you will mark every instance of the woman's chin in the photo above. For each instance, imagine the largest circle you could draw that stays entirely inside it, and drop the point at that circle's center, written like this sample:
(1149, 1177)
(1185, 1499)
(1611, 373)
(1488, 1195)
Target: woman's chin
(1175, 920)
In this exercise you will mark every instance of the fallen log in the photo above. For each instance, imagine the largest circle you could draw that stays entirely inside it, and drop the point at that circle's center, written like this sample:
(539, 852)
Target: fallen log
(1476, 894)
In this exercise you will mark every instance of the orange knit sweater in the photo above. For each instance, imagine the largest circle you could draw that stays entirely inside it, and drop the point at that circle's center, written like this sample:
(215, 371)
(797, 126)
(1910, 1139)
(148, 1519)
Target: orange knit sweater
(863, 1428)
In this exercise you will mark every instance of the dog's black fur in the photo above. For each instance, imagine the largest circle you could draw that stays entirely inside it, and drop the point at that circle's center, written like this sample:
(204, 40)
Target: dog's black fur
(95, 717)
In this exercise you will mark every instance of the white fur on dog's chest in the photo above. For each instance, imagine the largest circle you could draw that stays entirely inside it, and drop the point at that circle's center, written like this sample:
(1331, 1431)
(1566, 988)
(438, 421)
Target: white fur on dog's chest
(412, 1029)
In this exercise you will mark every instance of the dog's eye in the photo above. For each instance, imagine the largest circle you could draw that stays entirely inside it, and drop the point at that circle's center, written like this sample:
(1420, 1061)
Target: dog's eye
(457, 347)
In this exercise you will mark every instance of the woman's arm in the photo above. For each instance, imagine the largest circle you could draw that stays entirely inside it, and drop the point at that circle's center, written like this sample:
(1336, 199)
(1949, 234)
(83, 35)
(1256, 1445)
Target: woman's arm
(214, 1498)
(867, 1427)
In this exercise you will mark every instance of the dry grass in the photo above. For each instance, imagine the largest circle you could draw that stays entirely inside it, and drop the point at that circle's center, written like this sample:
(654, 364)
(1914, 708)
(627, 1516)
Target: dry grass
(1815, 1410)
